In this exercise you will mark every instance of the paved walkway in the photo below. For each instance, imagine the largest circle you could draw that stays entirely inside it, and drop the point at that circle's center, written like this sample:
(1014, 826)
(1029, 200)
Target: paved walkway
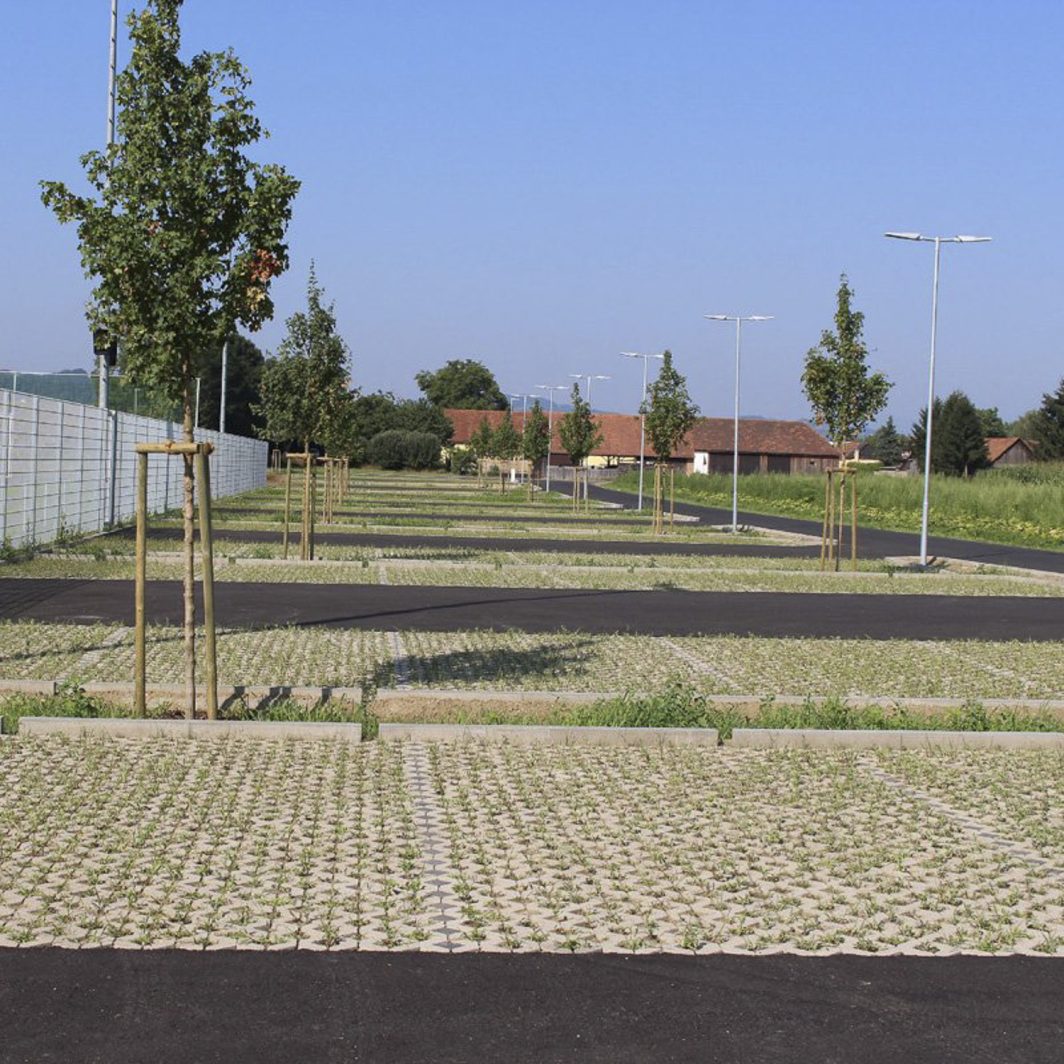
(660, 612)
(871, 542)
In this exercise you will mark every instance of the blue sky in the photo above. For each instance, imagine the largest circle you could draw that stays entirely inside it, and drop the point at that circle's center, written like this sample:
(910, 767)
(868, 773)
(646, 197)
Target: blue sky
(543, 185)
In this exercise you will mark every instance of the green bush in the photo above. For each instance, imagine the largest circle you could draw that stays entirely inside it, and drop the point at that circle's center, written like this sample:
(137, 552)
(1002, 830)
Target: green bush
(400, 449)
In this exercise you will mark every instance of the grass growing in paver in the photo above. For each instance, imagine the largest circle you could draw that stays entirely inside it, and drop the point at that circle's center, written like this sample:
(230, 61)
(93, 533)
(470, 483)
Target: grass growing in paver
(1026, 798)
(558, 661)
(569, 848)
(190, 844)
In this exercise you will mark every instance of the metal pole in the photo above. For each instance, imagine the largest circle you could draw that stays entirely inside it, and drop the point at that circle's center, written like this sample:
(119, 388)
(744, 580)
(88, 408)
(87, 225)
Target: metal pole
(550, 433)
(195, 420)
(930, 406)
(642, 434)
(101, 359)
(735, 441)
(225, 365)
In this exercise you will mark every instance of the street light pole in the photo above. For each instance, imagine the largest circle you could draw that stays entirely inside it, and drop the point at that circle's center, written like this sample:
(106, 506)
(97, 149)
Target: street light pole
(738, 319)
(938, 241)
(225, 367)
(642, 419)
(101, 358)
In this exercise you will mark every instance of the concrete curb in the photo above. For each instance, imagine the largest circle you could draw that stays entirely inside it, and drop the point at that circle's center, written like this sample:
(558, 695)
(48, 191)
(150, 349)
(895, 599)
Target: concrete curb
(901, 739)
(28, 687)
(552, 734)
(123, 727)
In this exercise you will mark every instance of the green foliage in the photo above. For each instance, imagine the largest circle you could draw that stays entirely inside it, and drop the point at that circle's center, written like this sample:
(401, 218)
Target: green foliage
(1049, 425)
(990, 421)
(844, 395)
(958, 447)
(670, 414)
(1025, 426)
(462, 384)
(183, 232)
(885, 445)
(243, 386)
(305, 387)
(578, 431)
(535, 441)
(399, 449)
(481, 440)
(506, 441)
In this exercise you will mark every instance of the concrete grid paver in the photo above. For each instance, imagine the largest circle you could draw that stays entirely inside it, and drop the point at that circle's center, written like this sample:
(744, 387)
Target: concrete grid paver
(261, 844)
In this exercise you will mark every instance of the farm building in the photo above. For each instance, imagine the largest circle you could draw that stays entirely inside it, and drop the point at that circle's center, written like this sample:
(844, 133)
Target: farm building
(765, 446)
(1008, 451)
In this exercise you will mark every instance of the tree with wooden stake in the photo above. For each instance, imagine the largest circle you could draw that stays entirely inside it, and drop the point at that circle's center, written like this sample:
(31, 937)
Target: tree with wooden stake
(182, 232)
(305, 392)
(480, 444)
(505, 444)
(535, 442)
(844, 394)
(670, 415)
(580, 435)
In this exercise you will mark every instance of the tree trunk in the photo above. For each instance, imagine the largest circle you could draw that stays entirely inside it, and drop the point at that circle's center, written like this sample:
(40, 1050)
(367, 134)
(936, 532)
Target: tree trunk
(187, 513)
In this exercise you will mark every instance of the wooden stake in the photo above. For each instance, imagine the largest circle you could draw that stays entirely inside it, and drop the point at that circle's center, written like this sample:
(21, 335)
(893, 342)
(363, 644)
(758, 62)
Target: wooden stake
(139, 640)
(203, 472)
(287, 505)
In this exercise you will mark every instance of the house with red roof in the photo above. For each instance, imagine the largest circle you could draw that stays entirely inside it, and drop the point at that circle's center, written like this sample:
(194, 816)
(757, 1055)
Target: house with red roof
(765, 445)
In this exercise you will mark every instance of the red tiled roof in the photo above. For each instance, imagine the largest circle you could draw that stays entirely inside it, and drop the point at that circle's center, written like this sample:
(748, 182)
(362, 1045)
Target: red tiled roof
(621, 435)
(997, 446)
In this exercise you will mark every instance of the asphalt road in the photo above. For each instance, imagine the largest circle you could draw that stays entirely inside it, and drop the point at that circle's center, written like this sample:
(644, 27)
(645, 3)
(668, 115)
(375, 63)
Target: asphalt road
(587, 545)
(660, 612)
(871, 542)
(170, 1007)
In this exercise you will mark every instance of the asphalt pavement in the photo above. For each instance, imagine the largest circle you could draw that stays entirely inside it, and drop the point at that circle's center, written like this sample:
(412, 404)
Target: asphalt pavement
(250, 1007)
(871, 542)
(658, 612)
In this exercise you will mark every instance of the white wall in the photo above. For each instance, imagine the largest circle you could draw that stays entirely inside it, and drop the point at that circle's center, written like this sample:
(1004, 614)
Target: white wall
(70, 467)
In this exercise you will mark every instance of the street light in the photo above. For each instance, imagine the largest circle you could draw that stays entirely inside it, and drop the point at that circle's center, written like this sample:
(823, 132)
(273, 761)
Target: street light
(938, 241)
(524, 406)
(550, 389)
(642, 418)
(589, 377)
(738, 319)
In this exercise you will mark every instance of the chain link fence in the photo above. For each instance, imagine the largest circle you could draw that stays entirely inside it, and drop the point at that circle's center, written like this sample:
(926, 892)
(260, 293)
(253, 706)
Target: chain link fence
(68, 467)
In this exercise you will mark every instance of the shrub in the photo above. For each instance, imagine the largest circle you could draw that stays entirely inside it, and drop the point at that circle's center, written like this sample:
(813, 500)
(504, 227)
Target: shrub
(398, 449)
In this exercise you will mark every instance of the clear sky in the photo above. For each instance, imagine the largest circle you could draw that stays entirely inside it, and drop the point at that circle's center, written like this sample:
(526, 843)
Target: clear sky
(544, 184)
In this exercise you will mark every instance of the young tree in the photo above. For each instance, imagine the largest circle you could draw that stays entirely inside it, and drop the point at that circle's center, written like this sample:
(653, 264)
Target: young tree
(182, 231)
(462, 384)
(480, 443)
(505, 443)
(844, 395)
(535, 441)
(305, 388)
(886, 445)
(579, 434)
(669, 416)
(1049, 425)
